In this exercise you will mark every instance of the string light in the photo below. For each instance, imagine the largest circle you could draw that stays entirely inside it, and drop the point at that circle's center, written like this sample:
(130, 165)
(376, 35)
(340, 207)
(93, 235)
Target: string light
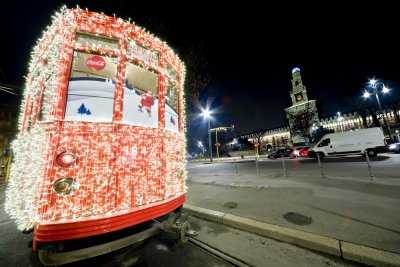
(118, 166)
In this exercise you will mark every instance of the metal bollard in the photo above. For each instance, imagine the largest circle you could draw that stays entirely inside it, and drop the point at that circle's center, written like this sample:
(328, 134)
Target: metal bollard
(234, 164)
(258, 173)
(284, 167)
(371, 174)
(320, 166)
(8, 163)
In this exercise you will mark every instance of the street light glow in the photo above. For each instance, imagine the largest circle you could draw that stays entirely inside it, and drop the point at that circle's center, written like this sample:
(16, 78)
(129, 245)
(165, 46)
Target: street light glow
(207, 113)
(372, 82)
(385, 89)
(373, 85)
(366, 94)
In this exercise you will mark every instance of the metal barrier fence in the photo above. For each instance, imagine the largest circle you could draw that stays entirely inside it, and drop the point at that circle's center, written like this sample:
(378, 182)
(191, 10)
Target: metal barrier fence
(364, 164)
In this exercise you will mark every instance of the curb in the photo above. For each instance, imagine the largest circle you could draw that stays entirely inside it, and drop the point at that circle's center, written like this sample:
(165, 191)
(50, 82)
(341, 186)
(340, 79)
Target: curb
(346, 250)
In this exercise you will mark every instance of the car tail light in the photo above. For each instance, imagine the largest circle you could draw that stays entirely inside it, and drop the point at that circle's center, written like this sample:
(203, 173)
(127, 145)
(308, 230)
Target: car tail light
(66, 159)
(303, 152)
(64, 185)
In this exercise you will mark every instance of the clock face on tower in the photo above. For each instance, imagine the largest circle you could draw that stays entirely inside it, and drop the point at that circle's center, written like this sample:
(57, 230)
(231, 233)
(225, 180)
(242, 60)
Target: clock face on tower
(299, 97)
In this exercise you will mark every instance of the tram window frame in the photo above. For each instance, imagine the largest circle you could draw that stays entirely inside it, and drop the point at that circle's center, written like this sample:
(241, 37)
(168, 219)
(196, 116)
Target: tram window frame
(172, 121)
(28, 114)
(43, 103)
(91, 82)
(32, 104)
(141, 85)
(94, 41)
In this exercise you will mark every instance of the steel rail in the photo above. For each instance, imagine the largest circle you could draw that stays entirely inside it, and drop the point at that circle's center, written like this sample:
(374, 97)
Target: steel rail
(217, 253)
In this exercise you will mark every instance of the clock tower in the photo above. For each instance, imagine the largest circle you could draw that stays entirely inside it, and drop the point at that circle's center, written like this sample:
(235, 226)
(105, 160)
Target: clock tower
(303, 113)
(299, 91)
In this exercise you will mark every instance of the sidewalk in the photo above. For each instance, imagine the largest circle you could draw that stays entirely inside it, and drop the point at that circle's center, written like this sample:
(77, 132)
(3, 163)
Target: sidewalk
(351, 218)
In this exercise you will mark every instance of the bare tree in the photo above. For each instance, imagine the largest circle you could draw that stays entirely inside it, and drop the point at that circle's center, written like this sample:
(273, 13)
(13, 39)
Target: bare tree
(301, 120)
(197, 74)
(364, 112)
(365, 109)
(257, 137)
(395, 106)
(190, 49)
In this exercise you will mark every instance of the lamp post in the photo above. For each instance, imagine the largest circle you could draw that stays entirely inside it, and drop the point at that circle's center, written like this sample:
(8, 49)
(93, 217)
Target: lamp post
(373, 85)
(207, 115)
(224, 129)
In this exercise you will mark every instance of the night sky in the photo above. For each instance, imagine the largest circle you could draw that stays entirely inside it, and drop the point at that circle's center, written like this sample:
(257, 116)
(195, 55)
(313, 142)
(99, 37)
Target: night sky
(250, 48)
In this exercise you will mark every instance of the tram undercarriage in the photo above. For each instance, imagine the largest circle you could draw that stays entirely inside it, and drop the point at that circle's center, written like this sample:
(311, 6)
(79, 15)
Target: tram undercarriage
(59, 253)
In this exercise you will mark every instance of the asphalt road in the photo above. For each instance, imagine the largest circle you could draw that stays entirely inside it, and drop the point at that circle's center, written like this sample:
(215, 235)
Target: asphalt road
(346, 205)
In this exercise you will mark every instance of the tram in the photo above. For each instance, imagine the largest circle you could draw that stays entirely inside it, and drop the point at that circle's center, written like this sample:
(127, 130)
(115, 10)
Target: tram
(101, 144)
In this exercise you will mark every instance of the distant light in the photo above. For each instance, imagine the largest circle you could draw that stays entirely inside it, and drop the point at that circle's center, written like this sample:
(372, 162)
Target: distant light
(366, 94)
(339, 116)
(295, 70)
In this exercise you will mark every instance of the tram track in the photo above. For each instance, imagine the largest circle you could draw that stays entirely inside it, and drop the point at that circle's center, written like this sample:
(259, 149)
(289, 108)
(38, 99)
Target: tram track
(217, 253)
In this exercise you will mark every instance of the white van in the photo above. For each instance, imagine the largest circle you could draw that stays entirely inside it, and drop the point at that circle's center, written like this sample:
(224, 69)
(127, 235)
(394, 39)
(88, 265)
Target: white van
(354, 142)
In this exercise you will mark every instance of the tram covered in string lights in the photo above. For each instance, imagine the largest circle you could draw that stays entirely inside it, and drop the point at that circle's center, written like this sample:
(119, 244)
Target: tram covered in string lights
(101, 145)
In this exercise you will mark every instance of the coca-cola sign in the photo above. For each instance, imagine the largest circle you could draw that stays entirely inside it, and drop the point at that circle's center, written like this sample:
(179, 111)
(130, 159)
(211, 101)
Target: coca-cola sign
(96, 63)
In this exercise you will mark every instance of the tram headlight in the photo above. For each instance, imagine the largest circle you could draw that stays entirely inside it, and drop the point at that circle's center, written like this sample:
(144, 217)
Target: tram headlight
(64, 185)
(66, 159)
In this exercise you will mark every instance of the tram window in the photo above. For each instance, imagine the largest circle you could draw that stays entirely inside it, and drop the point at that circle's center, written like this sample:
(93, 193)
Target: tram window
(32, 109)
(90, 40)
(171, 107)
(45, 101)
(140, 97)
(171, 101)
(134, 50)
(171, 96)
(91, 88)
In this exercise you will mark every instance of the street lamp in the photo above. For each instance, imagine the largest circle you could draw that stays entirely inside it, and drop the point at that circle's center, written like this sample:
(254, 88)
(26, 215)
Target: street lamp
(223, 129)
(207, 115)
(373, 85)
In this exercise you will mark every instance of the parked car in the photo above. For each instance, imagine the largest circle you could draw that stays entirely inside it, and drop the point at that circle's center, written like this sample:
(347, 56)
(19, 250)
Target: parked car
(279, 153)
(395, 147)
(295, 151)
(390, 141)
(304, 151)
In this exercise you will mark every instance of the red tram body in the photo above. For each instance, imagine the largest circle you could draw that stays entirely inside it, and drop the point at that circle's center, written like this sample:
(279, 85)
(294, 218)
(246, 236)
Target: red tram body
(101, 144)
